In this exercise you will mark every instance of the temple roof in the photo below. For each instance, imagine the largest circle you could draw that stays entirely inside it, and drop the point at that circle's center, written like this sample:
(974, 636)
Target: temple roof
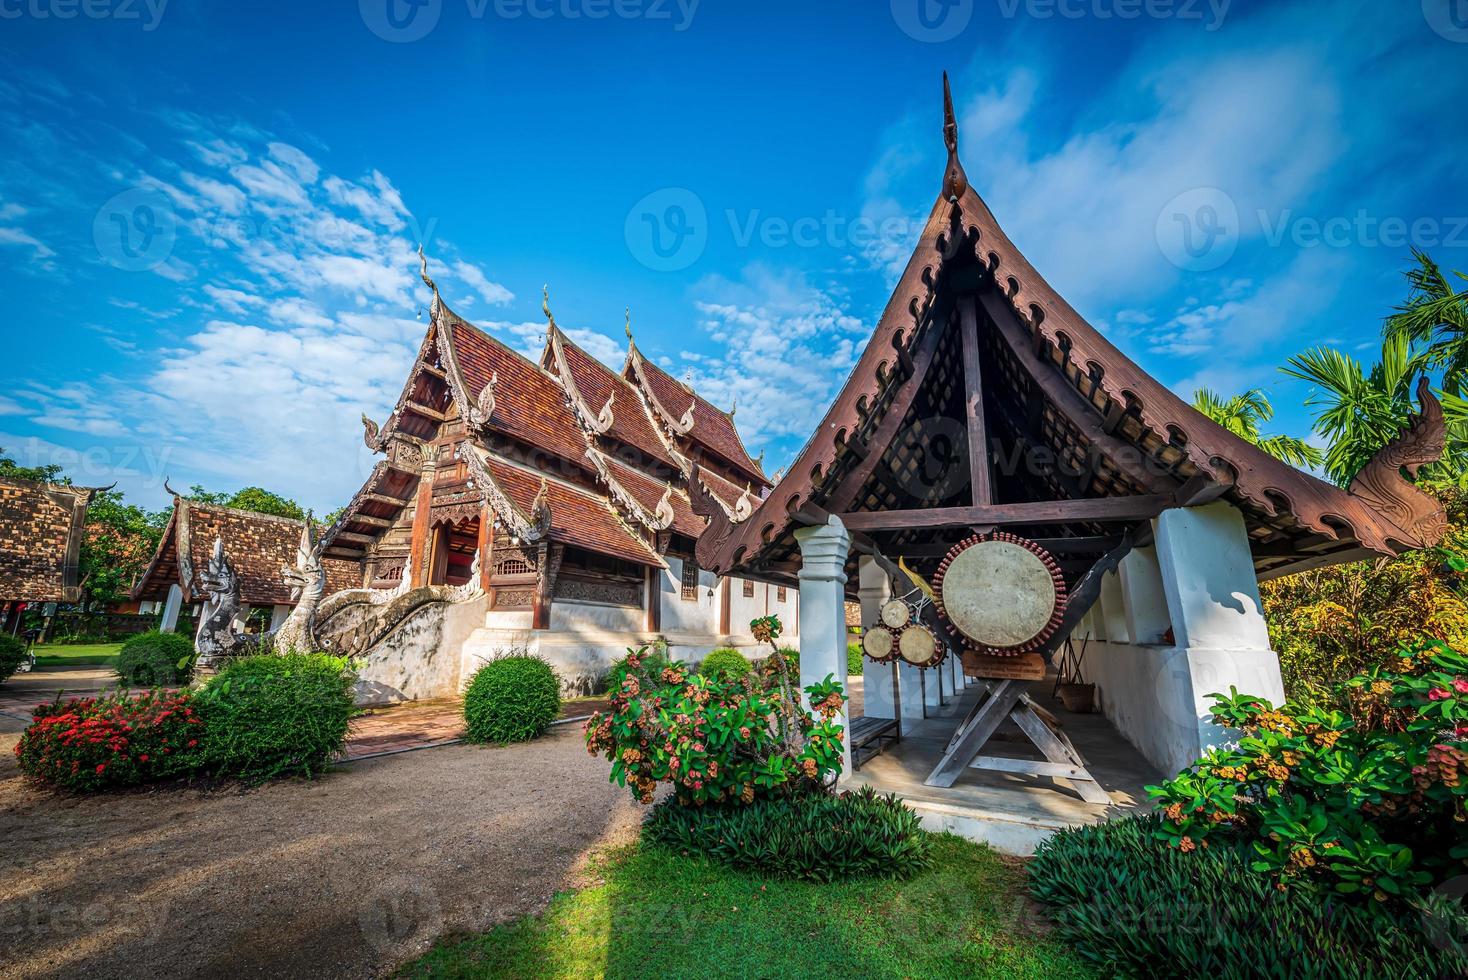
(688, 414)
(41, 531)
(577, 517)
(1051, 381)
(258, 545)
(657, 505)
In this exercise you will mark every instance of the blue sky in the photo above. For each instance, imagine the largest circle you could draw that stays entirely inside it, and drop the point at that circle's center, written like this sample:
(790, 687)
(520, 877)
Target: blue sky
(209, 212)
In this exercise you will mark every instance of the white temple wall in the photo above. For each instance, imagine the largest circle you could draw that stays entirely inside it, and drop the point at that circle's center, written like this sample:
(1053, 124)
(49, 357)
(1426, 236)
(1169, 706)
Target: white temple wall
(569, 615)
(697, 615)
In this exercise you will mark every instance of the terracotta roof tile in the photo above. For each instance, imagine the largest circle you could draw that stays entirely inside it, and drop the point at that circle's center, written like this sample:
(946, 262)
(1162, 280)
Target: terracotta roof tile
(648, 493)
(578, 517)
(40, 540)
(712, 429)
(258, 545)
(529, 404)
(596, 382)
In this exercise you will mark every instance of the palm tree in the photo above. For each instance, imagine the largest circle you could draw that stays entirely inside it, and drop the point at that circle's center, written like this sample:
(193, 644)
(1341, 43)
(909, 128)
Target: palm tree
(1244, 414)
(1358, 412)
(1435, 317)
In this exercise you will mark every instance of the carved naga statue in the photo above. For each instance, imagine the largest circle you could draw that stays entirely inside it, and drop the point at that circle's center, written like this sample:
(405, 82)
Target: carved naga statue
(307, 581)
(216, 640)
(1380, 481)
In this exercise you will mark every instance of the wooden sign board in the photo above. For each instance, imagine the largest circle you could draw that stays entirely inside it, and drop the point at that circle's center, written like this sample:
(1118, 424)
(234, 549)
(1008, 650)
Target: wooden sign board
(1025, 667)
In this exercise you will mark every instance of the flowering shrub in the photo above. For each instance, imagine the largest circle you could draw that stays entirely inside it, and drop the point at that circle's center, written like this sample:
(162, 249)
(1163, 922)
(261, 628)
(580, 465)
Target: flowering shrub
(1370, 801)
(716, 739)
(90, 744)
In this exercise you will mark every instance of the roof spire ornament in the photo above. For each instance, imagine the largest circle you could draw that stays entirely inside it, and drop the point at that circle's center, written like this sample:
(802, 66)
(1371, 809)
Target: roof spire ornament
(423, 272)
(955, 181)
(629, 325)
(734, 408)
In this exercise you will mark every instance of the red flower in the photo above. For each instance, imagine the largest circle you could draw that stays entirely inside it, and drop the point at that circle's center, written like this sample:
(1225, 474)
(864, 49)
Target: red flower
(101, 766)
(1460, 685)
(1439, 694)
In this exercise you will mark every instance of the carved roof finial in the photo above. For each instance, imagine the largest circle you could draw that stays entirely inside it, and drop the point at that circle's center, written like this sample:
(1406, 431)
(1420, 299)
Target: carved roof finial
(427, 280)
(545, 306)
(955, 181)
(629, 325)
(734, 408)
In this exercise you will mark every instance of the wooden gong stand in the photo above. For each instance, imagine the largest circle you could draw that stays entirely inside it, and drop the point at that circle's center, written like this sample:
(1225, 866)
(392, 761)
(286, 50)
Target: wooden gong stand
(1008, 698)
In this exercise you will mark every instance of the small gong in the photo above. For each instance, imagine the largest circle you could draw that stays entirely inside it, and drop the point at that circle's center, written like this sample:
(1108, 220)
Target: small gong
(896, 614)
(919, 647)
(878, 642)
(1002, 592)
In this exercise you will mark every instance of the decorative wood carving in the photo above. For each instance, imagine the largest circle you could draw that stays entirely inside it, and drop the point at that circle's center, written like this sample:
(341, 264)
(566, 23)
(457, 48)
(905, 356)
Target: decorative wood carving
(1380, 481)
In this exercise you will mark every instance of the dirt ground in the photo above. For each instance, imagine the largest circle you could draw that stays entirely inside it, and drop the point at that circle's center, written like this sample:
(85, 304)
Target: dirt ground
(346, 876)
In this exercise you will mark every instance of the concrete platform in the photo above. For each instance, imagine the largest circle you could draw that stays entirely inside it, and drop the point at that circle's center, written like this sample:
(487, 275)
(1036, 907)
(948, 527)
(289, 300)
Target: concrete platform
(1011, 812)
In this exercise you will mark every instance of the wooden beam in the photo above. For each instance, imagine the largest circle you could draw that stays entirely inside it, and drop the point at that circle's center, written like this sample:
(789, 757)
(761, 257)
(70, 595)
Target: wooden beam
(726, 593)
(351, 538)
(1201, 489)
(432, 414)
(980, 478)
(1095, 509)
(654, 599)
(369, 520)
(1091, 545)
(382, 498)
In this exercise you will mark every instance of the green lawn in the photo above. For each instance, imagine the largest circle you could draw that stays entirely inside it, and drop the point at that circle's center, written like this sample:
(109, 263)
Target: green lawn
(656, 914)
(77, 655)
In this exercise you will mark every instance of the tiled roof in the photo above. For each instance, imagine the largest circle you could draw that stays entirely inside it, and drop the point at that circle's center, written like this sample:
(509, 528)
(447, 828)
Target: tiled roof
(578, 517)
(258, 545)
(649, 492)
(712, 429)
(41, 526)
(596, 382)
(529, 405)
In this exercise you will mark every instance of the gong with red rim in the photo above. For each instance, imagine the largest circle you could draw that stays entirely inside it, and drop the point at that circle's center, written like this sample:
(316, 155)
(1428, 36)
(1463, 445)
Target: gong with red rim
(1000, 593)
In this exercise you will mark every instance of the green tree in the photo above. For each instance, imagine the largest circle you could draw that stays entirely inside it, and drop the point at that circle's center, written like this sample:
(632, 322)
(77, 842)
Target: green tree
(50, 473)
(253, 499)
(1243, 415)
(119, 543)
(1434, 318)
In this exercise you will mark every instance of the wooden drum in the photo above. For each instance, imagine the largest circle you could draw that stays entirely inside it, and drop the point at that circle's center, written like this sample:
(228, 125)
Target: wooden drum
(879, 643)
(917, 645)
(896, 614)
(1000, 593)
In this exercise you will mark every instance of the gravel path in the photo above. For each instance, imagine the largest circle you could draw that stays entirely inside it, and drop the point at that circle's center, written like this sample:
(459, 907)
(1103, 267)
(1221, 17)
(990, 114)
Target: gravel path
(349, 875)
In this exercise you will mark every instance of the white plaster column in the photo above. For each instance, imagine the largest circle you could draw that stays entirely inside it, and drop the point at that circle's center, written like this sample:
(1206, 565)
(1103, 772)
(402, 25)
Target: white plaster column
(1218, 623)
(171, 607)
(278, 615)
(875, 588)
(1144, 598)
(241, 616)
(1113, 608)
(823, 552)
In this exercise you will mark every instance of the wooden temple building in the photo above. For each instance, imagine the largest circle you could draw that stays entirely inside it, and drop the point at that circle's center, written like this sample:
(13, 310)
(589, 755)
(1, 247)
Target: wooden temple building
(41, 530)
(985, 405)
(562, 486)
(259, 545)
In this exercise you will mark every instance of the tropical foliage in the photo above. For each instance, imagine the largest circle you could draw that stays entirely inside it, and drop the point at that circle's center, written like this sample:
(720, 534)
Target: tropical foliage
(1243, 415)
(1435, 318)
(254, 499)
(725, 663)
(1366, 802)
(155, 658)
(1138, 908)
(91, 744)
(12, 655)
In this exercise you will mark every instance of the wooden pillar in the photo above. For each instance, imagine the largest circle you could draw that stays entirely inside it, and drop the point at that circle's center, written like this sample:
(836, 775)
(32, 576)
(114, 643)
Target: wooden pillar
(726, 599)
(422, 515)
(438, 562)
(549, 564)
(486, 550)
(654, 599)
(981, 480)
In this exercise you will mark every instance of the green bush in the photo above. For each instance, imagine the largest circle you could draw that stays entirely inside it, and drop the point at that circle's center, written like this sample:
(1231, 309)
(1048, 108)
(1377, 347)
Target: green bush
(154, 659)
(813, 836)
(276, 715)
(511, 699)
(12, 655)
(853, 657)
(725, 663)
(1139, 908)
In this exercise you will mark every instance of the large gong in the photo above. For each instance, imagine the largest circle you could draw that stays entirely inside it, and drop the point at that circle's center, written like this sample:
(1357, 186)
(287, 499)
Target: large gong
(1001, 593)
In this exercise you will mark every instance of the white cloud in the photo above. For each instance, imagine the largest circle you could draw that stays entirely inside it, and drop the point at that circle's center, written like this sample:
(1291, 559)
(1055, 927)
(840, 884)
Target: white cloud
(15, 236)
(491, 292)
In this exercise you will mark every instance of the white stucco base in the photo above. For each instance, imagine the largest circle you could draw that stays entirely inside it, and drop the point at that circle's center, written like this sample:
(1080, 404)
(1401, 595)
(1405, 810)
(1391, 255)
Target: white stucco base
(1158, 696)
